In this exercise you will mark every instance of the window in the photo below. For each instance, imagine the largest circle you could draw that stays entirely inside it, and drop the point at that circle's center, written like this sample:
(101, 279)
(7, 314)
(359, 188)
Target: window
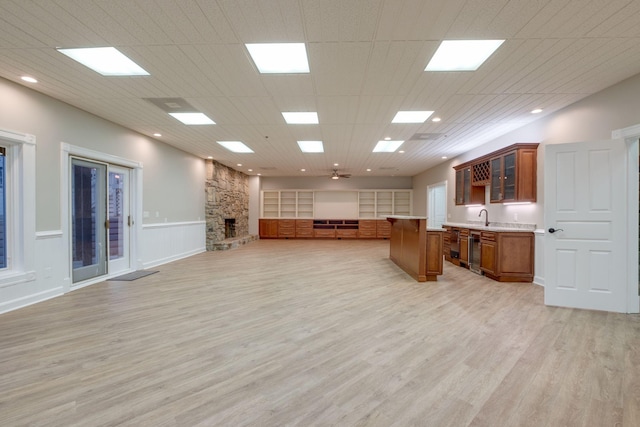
(3, 215)
(17, 207)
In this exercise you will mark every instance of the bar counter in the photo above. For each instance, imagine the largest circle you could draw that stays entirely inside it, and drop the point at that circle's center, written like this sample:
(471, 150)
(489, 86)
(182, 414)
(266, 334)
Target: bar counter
(416, 248)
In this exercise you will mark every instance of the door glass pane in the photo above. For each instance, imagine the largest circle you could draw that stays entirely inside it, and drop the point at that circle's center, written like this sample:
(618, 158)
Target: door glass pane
(510, 176)
(88, 190)
(495, 193)
(3, 220)
(116, 215)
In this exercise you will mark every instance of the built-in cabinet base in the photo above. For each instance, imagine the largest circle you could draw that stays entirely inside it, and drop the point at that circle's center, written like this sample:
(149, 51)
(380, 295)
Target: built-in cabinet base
(324, 229)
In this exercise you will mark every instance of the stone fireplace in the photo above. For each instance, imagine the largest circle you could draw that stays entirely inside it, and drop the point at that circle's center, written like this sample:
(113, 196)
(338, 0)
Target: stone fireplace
(227, 207)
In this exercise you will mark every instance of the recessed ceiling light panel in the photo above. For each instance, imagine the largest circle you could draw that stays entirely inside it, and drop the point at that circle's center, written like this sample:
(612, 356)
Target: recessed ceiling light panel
(277, 58)
(411, 116)
(193, 118)
(311, 146)
(107, 61)
(235, 146)
(462, 55)
(301, 118)
(387, 146)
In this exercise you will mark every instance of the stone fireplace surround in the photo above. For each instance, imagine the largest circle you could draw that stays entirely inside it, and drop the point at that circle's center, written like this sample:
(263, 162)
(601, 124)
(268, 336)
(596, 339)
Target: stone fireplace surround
(227, 197)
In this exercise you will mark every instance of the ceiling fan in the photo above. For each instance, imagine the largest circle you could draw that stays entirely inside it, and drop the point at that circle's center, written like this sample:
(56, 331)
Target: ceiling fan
(336, 175)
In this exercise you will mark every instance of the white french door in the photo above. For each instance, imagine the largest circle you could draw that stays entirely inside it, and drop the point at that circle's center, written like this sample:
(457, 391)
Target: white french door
(586, 215)
(100, 219)
(120, 221)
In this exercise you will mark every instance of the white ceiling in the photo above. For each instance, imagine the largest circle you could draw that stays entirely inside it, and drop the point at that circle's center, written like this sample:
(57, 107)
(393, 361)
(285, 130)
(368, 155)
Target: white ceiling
(366, 57)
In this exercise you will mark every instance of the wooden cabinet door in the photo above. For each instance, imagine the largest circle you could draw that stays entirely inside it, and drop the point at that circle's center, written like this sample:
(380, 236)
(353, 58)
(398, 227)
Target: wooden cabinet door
(268, 228)
(460, 187)
(464, 250)
(495, 191)
(488, 253)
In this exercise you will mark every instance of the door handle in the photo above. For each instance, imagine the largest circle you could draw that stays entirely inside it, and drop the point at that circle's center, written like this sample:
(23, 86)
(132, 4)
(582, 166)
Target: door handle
(553, 230)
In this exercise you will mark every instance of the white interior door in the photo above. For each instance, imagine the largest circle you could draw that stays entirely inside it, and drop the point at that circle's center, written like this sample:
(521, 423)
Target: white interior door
(119, 215)
(585, 213)
(437, 204)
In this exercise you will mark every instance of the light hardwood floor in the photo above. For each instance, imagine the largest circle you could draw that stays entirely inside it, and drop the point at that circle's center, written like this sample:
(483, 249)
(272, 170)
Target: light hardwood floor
(315, 333)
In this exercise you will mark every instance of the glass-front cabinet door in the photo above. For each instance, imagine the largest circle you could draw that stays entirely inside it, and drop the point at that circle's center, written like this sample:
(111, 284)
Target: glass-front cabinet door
(495, 193)
(509, 181)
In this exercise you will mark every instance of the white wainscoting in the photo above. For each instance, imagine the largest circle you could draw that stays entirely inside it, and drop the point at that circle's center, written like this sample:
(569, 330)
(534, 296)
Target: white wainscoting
(166, 242)
(538, 269)
(44, 282)
(158, 244)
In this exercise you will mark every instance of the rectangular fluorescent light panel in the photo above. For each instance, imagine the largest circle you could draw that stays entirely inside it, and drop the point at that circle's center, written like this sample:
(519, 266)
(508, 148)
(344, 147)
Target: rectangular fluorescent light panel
(235, 146)
(301, 118)
(311, 146)
(193, 118)
(387, 146)
(276, 58)
(411, 116)
(107, 61)
(462, 55)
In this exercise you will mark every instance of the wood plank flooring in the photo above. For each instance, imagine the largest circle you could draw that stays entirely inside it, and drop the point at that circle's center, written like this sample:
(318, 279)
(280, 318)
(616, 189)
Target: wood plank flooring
(315, 333)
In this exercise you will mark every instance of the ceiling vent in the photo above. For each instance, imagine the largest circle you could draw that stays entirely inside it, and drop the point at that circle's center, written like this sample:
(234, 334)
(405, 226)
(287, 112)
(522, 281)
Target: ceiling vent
(388, 168)
(267, 168)
(425, 136)
(172, 105)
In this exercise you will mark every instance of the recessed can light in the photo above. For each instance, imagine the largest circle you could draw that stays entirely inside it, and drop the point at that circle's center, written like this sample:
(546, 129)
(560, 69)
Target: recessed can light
(29, 79)
(536, 111)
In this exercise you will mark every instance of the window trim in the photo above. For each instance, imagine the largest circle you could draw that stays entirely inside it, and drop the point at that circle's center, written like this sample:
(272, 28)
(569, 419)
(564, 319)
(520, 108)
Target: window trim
(21, 207)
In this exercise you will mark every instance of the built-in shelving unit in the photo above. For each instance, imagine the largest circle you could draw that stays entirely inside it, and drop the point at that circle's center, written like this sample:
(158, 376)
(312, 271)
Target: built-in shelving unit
(361, 204)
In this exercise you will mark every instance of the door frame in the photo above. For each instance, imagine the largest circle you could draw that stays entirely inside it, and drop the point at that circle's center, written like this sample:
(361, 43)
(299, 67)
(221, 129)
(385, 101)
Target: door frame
(429, 189)
(66, 152)
(631, 136)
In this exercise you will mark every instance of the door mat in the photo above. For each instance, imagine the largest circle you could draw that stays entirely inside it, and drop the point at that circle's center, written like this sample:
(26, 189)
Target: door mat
(133, 276)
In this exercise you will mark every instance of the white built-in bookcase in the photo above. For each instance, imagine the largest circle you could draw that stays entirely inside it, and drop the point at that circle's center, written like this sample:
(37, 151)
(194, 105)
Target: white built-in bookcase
(323, 204)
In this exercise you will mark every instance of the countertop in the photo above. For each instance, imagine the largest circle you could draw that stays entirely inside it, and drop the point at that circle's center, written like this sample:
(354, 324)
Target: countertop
(415, 218)
(511, 227)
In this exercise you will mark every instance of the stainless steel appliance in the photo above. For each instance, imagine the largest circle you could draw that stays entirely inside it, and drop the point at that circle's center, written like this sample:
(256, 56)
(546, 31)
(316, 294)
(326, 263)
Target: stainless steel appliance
(474, 252)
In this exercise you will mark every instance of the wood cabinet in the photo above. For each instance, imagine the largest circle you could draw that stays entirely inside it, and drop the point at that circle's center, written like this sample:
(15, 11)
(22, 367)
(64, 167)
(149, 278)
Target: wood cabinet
(286, 228)
(383, 229)
(488, 253)
(367, 228)
(464, 247)
(466, 193)
(507, 256)
(268, 228)
(324, 228)
(513, 175)
(510, 173)
(446, 243)
(304, 228)
(415, 249)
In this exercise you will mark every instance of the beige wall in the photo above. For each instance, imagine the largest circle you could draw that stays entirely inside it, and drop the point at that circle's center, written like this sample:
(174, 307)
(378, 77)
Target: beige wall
(173, 181)
(592, 118)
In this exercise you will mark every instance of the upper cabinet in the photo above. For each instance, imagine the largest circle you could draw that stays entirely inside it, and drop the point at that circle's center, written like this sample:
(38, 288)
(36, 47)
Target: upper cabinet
(509, 172)
(513, 175)
(466, 192)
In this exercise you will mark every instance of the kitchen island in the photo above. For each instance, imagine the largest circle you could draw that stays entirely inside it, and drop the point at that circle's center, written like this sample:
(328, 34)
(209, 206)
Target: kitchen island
(415, 248)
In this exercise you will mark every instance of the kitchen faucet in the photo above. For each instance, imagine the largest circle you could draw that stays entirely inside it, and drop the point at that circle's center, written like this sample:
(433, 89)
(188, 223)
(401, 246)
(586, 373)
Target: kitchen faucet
(486, 217)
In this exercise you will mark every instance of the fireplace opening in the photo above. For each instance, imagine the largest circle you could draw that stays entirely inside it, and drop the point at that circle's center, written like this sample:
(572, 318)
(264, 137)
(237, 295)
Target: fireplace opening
(229, 228)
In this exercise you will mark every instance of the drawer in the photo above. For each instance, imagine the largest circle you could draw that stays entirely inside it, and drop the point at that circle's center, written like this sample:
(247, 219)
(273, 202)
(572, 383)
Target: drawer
(304, 232)
(319, 232)
(367, 225)
(367, 234)
(304, 224)
(464, 232)
(287, 232)
(287, 223)
(488, 235)
(347, 233)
